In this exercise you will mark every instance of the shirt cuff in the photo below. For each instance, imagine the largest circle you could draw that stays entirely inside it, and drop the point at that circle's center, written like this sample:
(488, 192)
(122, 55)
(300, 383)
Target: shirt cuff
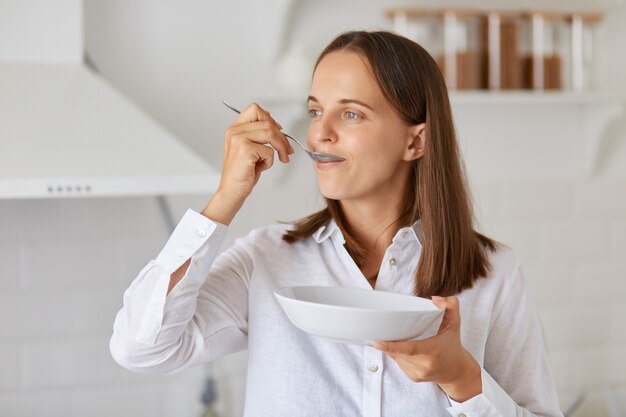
(493, 401)
(190, 234)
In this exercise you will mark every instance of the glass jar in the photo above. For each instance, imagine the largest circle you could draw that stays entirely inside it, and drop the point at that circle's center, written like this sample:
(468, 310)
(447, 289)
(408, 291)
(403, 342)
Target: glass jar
(582, 27)
(545, 51)
(452, 37)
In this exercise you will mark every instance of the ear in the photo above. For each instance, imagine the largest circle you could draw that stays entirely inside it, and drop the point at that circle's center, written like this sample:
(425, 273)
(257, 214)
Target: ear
(416, 142)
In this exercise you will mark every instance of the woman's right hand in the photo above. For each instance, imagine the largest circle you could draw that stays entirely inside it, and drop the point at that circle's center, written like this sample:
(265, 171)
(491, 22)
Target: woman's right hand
(250, 142)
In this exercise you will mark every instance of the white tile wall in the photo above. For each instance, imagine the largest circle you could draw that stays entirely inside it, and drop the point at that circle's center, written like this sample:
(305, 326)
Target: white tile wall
(35, 403)
(571, 237)
(10, 365)
(65, 265)
(10, 261)
(115, 400)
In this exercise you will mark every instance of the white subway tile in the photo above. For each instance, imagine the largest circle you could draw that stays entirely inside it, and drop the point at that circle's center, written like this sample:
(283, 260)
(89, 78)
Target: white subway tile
(33, 315)
(10, 265)
(180, 203)
(92, 312)
(486, 204)
(565, 371)
(605, 198)
(537, 200)
(618, 324)
(68, 363)
(10, 367)
(34, 404)
(233, 364)
(81, 263)
(118, 401)
(618, 241)
(601, 284)
(232, 398)
(579, 370)
(617, 365)
(549, 285)
(30, 220)
(110, 218)
(593, 405)
(594, 366)
(182, 398)
(576, 243)
(569, 399)
(195, 373)
(518, 236)
(581, 327)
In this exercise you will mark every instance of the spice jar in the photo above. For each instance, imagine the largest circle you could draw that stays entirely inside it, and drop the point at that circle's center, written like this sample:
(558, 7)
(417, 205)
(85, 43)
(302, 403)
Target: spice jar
(546, 47)
(452, 37)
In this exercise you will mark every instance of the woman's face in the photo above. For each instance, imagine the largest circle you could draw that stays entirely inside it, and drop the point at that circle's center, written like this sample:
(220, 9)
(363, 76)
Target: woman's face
(351, 118)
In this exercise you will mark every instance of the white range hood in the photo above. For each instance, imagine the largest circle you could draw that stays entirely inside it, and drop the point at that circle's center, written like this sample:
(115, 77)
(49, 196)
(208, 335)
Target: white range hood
(66, 132)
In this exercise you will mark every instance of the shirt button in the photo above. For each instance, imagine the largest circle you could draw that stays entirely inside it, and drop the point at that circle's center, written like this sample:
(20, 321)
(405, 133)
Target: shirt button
(373, 368)
(201, 232)
(405, 234)
(392, 261)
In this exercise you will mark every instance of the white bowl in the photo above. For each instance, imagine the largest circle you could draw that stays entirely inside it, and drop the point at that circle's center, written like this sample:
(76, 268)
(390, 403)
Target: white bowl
(357, 315)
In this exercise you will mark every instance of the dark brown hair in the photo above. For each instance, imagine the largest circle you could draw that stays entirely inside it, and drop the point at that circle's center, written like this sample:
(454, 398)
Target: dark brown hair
(453, 254)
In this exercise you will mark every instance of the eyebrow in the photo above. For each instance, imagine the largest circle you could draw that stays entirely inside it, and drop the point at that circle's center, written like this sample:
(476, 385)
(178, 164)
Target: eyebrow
(344, 101)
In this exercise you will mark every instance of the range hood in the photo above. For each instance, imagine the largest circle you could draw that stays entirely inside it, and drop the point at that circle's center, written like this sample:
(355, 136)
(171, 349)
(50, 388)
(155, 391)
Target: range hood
(65, 131)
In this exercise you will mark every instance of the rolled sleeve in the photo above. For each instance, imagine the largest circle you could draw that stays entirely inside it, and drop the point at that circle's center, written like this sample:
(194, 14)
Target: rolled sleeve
(140, 321)
(190, 235)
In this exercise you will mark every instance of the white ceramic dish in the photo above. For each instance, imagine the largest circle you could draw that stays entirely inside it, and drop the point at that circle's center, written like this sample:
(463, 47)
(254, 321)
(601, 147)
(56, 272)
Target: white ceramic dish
(357, 315)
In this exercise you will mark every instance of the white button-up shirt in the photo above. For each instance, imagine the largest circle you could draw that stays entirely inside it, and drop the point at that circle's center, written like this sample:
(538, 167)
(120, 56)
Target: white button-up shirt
(225, 303)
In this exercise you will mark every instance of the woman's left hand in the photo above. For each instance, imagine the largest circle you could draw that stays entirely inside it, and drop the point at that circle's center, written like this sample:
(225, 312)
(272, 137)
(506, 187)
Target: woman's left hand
(440, 358)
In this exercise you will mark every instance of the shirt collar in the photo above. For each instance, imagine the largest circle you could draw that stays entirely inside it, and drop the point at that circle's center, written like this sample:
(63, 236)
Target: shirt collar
(324, 232)
(408, 233)
(411, 233)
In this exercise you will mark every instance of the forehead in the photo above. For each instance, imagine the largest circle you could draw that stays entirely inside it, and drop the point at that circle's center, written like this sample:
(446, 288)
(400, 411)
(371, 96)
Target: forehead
(345, 74)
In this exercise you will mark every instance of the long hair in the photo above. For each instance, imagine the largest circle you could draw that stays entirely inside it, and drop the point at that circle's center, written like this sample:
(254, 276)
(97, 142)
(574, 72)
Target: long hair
(453, 254)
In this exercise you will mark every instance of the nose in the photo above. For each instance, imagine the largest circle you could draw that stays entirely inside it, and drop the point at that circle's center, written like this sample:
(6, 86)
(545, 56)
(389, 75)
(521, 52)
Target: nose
(320, 131)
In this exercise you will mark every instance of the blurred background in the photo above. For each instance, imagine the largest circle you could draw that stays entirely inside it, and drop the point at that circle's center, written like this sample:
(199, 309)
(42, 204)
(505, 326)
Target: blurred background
(91, 181)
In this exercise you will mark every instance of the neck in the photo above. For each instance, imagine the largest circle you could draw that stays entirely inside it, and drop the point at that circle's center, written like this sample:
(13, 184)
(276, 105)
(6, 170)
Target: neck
(374, 221)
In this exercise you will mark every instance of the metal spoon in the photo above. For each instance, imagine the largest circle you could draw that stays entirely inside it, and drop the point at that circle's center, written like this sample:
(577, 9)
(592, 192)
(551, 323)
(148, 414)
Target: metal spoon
(316, 156)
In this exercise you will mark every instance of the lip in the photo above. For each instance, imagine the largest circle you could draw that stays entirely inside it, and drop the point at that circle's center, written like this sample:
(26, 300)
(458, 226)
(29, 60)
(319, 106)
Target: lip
(322, 166)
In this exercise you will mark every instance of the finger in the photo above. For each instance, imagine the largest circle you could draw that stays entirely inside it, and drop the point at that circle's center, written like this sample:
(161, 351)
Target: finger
(451, 316)
(271, 131)
(265, 158)
(262, 132)
(405, 347)
(255, 113)
(252, 113)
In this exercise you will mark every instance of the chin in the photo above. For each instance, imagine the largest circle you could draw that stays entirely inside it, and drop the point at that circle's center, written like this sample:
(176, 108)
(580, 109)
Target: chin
(333, 193)
(337, 191)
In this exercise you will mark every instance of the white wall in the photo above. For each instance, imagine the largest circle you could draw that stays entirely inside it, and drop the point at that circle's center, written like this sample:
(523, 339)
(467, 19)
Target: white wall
(66, 262)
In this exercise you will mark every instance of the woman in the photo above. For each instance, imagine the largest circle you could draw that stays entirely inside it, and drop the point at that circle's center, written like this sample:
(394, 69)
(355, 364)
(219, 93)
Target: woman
(398, 218)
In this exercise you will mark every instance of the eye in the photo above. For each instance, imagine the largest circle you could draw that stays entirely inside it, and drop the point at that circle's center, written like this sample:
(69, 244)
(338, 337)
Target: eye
(352, 115)
(314, 113)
